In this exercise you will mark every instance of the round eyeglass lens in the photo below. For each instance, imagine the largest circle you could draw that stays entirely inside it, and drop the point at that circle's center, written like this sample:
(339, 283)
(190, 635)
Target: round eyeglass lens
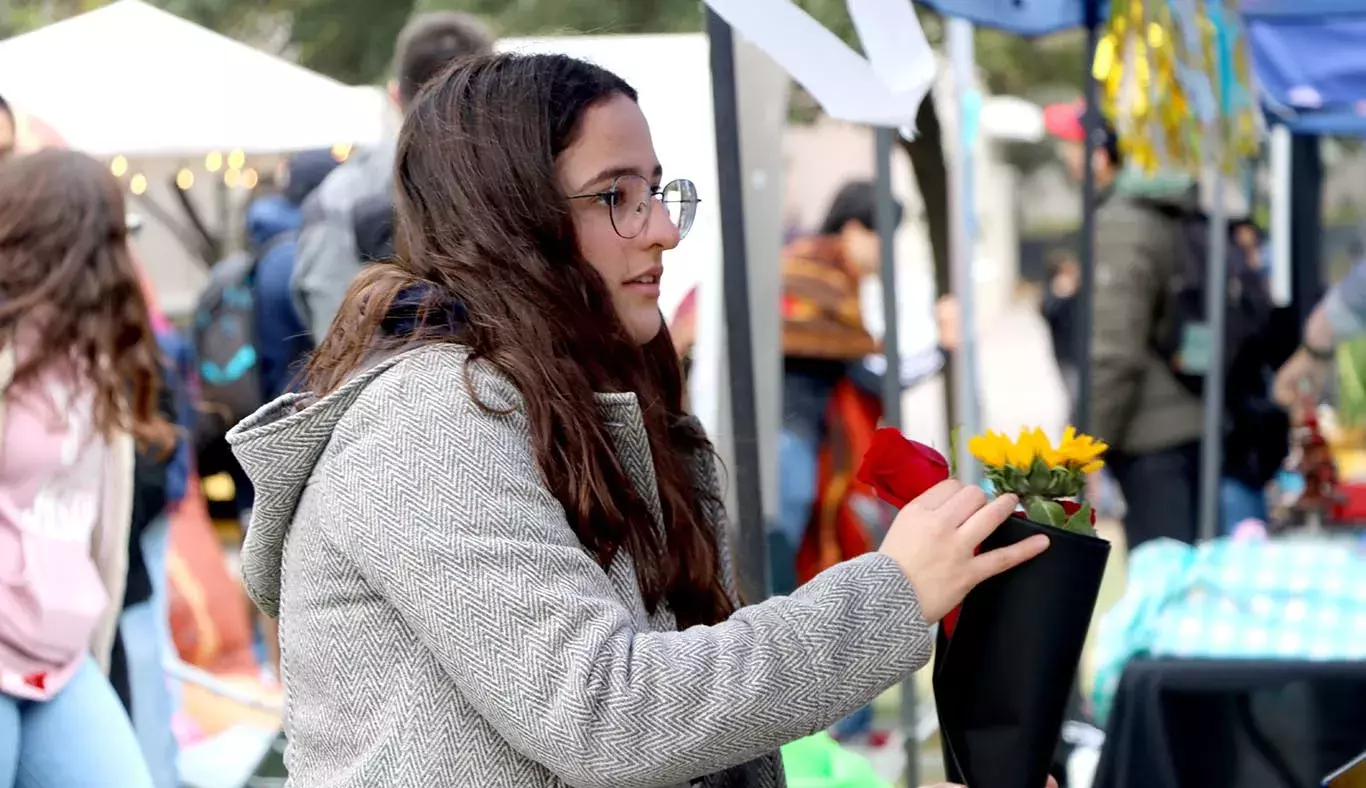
(680, 199)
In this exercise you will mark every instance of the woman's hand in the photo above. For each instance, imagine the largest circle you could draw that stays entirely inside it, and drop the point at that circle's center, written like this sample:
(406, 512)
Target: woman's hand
(934, 536)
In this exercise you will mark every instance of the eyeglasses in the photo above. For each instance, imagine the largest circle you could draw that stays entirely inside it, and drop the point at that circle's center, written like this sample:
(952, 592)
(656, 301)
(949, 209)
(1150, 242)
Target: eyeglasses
(629, 199)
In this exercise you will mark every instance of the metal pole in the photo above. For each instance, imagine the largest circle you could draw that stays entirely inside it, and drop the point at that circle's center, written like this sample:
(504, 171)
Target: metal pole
(886, 228)
(1086, 244)
(752, 559)
(1216, 303)
(884, 140)
(961, 210)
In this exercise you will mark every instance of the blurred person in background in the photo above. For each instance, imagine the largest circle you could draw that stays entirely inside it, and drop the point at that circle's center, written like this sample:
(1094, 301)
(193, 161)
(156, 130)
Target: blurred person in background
(283, 341)
(9, 130)
(1060, 312)
(81, 382)
(495, 540)
(1339, 317)
(327, 257)
(1152, 422)
(145, 648)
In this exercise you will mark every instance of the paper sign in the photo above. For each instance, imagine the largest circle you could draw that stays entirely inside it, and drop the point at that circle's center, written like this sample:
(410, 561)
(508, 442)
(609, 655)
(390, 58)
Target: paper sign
(884, 89)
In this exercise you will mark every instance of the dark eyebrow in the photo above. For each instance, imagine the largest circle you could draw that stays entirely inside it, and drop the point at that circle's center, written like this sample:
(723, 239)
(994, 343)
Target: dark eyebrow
(612, 173)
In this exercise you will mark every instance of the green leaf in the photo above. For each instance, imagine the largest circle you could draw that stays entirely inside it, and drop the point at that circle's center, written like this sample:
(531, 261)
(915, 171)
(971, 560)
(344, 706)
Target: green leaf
(954, 435)
(1080, 521)
(1045, 512)
(1040, 477)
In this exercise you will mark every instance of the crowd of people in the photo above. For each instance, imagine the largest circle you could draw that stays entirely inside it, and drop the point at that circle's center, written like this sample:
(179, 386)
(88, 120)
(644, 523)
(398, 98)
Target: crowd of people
(484, 534)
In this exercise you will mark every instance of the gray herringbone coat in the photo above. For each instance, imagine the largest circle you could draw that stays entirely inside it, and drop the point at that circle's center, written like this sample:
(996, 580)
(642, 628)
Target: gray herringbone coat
(441, 625)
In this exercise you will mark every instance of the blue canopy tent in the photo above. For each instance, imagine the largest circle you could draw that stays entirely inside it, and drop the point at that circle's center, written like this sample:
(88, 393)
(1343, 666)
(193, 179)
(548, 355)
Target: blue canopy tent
(1310, 61)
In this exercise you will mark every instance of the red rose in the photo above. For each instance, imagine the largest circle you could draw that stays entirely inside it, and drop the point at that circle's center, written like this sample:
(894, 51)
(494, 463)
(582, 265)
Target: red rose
(1070, 508)
(900, 470)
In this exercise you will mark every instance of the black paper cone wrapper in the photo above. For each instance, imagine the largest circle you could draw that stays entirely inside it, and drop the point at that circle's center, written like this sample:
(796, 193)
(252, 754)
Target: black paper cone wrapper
(1002, 681)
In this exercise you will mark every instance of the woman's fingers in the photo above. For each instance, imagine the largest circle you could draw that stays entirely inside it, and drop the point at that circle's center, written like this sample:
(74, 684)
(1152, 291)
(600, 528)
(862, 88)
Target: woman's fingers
(995, 562)
(964, 503)
(938, 495)
(987, 519)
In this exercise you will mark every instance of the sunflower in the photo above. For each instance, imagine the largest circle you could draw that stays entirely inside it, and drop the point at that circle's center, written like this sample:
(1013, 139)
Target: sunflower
(1076, 451)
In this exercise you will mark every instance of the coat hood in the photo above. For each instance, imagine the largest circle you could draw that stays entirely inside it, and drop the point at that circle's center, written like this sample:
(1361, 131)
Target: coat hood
(279, 447)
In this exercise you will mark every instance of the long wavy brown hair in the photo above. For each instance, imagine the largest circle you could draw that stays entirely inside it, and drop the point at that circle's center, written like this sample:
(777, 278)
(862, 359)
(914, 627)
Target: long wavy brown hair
(483, 223)
(68, 280)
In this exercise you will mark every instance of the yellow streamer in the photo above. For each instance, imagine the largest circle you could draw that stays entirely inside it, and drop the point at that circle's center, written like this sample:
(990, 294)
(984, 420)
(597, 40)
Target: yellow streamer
(1139, 63)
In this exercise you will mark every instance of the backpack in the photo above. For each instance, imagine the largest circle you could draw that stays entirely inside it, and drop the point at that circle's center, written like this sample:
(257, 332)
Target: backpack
(225, 343)
(1182, 338)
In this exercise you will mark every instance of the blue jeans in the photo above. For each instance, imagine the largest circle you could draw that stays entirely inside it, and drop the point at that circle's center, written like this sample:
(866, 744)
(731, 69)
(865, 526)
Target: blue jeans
(146, 632)
(798, 450)
(1239, 502)
(81, 737)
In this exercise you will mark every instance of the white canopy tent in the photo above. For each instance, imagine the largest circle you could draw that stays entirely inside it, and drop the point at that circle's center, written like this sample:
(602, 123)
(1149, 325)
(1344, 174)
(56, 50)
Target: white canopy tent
(133, 80)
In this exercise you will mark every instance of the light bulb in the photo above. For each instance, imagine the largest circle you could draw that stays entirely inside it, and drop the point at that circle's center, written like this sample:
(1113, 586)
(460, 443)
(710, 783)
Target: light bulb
(250, 178)
(184, 179)
(213, 162)
(231, 178)
(237, 159)
(341, 151)
(118, 166)
(137, 184)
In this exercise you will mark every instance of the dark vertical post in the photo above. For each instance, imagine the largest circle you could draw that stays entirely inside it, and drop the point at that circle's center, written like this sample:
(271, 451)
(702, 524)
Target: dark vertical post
(886, 229)
(1306, 224)
(885, 138)
(1086, 252)
(752, 547)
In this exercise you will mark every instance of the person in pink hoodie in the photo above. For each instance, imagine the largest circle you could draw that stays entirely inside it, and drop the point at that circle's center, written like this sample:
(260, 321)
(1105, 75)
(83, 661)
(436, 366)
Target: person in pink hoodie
(79, 380)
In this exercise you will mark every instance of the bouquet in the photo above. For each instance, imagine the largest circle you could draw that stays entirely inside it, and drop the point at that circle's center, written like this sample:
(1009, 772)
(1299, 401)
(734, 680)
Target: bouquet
(1006, 658)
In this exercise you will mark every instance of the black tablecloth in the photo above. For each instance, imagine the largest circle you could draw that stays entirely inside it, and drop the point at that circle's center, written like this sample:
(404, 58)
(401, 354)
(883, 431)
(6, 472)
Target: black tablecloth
(1226, 724)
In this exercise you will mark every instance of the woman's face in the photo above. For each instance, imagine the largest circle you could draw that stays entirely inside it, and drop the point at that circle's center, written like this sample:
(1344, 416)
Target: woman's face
(614, 151)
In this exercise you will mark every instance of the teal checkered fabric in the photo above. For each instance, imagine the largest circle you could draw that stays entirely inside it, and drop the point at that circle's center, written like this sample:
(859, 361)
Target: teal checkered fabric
(1300, 599)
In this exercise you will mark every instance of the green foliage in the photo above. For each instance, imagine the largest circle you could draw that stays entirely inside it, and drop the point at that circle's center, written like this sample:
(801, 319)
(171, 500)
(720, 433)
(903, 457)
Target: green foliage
(1046, 512)
(1037, 481)
(1351, 370)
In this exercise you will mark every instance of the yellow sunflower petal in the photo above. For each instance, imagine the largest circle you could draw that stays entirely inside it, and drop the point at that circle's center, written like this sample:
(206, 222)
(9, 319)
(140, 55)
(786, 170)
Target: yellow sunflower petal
(1020, 454)
(1092, 467)
(989, 449)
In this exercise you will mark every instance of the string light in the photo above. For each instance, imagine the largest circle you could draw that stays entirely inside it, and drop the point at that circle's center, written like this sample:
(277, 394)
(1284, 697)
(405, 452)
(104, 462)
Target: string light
(232, 178)
(250, 178)
(237, 159)
(118, 166)
(137, 184)
(213, 162)
(341, 151)
(184, 179)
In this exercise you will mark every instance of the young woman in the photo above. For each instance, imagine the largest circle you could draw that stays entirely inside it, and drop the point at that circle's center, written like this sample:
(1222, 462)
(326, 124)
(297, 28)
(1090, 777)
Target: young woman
(79, 374)
(494, 540)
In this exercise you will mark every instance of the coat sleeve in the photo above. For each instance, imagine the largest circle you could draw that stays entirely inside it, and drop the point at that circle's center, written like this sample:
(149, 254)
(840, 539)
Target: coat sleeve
(1126, 292)
(478, 559)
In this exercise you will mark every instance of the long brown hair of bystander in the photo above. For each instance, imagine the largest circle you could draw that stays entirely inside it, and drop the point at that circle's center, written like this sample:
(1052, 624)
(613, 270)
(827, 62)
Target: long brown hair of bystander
(65, 267)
